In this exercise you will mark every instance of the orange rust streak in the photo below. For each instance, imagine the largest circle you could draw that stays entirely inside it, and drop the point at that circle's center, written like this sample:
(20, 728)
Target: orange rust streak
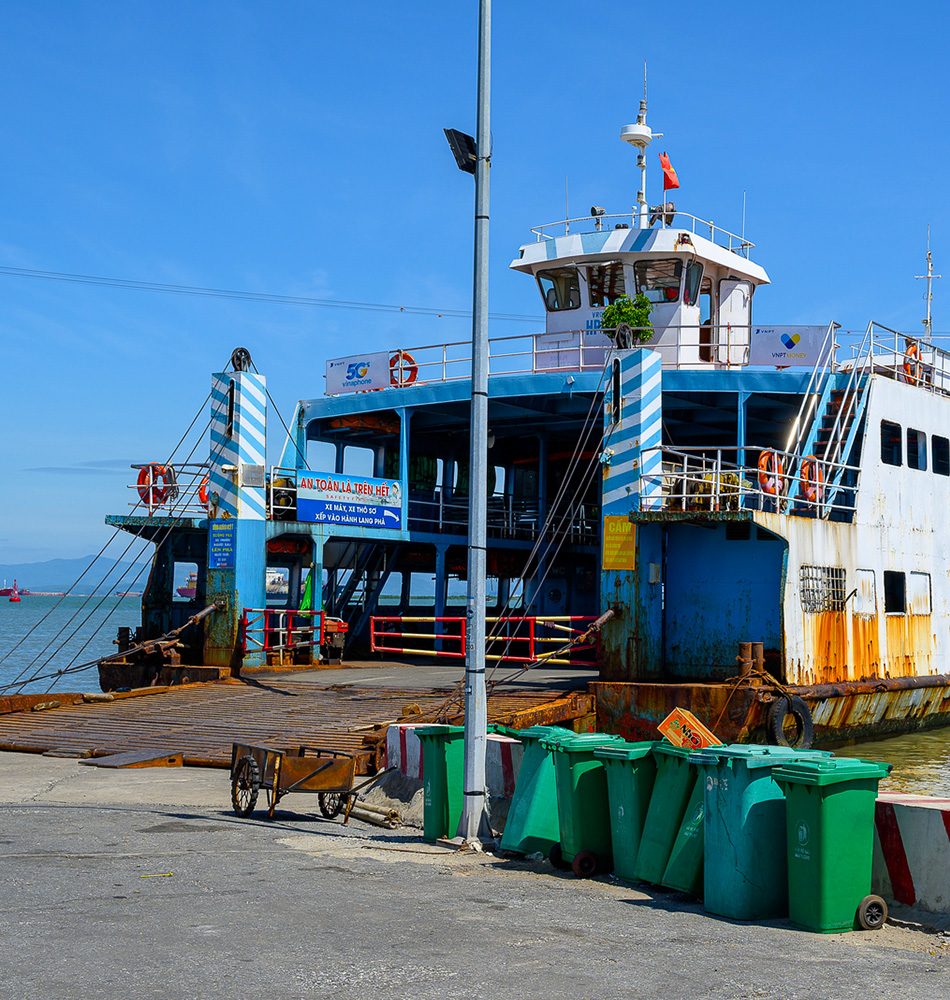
(909, 645)
(827, 633)
(866, 647)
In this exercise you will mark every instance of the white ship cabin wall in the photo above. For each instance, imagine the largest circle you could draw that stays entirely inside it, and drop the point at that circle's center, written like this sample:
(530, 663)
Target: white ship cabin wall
(861, 595)
(870, 598)
(701, 295)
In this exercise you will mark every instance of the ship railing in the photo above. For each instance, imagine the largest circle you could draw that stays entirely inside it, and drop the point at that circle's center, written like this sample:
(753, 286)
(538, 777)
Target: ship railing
(670, 220)
(174, 488)
(268, 630)
(912, 360)
(718, 480)
(513, 639)
(507, 517)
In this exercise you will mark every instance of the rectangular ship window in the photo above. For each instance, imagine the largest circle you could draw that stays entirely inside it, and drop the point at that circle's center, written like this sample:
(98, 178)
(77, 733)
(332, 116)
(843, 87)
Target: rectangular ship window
(916, 449)
(659, 280)
(822, 588)
(604, 284)
(890, 443)
(940, 455)
(560, 288)
(865, 593)
(895, 599)
(918, 594)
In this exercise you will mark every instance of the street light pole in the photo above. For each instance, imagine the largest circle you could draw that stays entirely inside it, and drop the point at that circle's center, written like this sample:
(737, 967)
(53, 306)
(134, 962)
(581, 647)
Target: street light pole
(474, 824)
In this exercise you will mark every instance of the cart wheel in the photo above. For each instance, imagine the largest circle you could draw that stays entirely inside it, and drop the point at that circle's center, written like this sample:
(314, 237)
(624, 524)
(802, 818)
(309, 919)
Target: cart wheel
(872, 913)
(331, 803)
(584, 864)
(557, 858)
(245, 784)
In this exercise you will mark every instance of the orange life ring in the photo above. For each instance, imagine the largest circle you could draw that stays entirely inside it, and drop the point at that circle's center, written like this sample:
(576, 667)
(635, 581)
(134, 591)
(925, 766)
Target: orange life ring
(402, 368)
(913, 369)
(149, 490)
(203, 492)
(812, 479)
(770, 472)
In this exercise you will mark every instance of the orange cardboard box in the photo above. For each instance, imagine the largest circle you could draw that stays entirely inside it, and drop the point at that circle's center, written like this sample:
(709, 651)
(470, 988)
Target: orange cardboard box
(683, 729)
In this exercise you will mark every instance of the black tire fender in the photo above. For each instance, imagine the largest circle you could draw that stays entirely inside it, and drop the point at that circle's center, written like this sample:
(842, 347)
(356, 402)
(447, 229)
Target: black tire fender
(786, 705)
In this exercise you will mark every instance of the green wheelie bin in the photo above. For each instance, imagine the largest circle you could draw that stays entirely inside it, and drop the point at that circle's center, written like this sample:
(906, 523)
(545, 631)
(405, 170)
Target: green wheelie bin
(631, 772)
(745, 872)
(533, 825)
(672, 790)
(684, 868)
(442, 779)
(829, 825)
(583, 810)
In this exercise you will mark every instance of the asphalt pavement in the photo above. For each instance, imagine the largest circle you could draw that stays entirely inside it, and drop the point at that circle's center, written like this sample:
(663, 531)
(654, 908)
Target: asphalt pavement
(143, 884)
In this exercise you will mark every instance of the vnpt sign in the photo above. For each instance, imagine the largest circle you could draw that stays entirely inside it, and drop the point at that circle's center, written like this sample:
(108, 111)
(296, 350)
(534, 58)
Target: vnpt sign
(785, 346)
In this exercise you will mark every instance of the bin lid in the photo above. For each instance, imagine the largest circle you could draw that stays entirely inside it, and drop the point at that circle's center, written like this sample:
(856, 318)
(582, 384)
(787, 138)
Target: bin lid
(543, 732)
(830, 771)
(755, 755)
(579, 742)
(671, 750)
(439, 730)
(625, 751)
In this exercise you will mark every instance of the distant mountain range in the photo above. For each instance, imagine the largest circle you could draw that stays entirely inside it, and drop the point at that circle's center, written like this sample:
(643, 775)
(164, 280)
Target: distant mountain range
(59, 575)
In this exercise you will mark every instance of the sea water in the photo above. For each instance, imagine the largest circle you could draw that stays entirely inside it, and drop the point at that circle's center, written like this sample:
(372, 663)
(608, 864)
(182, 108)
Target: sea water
(42, 635)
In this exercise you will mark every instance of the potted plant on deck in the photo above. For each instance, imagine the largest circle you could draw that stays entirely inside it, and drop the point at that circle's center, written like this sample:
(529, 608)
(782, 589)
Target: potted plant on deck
(627, 321)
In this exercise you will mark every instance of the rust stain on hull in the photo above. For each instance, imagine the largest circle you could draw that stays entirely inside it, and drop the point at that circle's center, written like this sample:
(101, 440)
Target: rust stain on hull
(910, 642)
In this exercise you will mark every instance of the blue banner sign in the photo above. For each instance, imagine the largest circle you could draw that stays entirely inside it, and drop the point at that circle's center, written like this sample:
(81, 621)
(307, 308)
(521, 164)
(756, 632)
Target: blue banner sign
(354, 501)
(221, 544)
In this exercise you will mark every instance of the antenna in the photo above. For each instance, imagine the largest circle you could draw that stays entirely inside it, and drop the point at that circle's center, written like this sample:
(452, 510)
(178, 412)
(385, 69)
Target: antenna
(928, 322)
(743, 216)
(639, 135)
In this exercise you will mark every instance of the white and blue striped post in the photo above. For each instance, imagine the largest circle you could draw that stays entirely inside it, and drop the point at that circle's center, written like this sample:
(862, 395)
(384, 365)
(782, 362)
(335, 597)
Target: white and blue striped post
(237, 510)
(633, 432)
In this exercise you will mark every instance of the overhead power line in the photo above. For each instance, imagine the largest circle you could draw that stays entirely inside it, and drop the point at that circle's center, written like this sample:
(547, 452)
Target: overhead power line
(231, 293)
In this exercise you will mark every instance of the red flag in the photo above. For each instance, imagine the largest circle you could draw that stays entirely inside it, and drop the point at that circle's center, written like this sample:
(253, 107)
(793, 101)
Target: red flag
(670, 180)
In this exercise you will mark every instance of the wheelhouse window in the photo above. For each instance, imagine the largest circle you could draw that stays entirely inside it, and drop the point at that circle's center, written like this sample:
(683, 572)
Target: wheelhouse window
(890, 443)
(184, 582)
(916, 449)
(560, 288)
(694, 281)
(604, 284)
(940, 455)
(659, 280)
(895, 593)
(822, 588)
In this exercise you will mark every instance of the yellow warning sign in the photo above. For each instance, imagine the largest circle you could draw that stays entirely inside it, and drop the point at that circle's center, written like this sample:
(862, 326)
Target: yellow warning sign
(620, 542)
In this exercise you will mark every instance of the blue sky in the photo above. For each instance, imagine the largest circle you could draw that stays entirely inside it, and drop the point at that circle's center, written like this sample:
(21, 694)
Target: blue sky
(297, 148)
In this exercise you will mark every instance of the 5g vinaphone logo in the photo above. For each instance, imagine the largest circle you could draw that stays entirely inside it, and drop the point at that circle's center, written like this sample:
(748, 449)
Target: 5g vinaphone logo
(357, 369)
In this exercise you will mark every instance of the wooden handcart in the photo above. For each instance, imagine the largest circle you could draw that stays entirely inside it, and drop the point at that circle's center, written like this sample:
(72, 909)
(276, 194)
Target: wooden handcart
(329, 773)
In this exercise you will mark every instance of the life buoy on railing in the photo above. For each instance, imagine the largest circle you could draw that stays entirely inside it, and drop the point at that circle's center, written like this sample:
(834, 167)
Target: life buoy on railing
(770, 472)
(402, 368)
(149, 490)
(812, 477)
(203, 492)
(913, 369)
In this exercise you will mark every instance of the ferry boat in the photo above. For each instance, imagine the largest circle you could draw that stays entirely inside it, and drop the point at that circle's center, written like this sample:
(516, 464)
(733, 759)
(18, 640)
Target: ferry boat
(758, 509)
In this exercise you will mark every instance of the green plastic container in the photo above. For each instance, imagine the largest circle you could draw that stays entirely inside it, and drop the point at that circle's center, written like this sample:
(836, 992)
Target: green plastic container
(533, 824)
(675, 778)
(631, 771)
(583, 809)
(830, 835)
(745, 871)
(684, 869)
(442, 779)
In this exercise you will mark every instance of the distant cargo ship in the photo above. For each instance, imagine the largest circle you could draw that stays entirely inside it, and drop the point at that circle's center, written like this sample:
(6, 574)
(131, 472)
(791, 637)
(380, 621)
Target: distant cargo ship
(6, 591)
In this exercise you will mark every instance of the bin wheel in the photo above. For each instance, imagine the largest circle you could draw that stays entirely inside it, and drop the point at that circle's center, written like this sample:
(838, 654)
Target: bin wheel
(245, 785)
(557, 858)
(804, 732)
(872, 913)
(331, 803)
(584, 864)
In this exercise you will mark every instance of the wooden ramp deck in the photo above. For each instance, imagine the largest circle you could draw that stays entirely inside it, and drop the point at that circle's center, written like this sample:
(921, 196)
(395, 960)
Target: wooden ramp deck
(202, 721)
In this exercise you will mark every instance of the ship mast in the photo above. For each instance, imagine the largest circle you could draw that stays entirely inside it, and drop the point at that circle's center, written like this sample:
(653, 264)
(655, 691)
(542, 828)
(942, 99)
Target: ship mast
(639, 135)
(928, 322)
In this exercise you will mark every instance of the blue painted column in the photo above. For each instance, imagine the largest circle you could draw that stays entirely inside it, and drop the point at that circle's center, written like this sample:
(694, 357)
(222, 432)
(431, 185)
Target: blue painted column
(631, 554)
(237, 510)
